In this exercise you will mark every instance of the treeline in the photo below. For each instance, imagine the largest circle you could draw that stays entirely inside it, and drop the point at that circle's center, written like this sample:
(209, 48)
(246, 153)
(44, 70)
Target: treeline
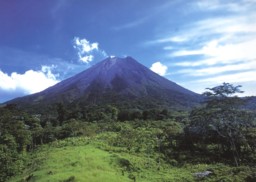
(217, 131)
(108, 112)
(220, 131)
(21, 132)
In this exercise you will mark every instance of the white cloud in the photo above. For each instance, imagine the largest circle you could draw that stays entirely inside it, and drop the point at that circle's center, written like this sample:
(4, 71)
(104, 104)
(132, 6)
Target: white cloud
(159, 68)
(222, 38)
(216, 52)
(29, 82)
(219, 46)
(235, 7)
(168, 48)
(131, 24)
(86, 59)
(84, 45)
(248, 76)
(86, 50)
(214, 70)
(216, 44)
(171, 39)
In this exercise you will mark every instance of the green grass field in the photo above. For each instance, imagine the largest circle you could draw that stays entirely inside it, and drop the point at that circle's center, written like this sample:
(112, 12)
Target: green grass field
(82, 163)
(76, 159)
(92, 160)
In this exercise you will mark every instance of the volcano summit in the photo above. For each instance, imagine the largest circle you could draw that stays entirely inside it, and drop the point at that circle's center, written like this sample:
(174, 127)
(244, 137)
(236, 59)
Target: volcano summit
(123, 82)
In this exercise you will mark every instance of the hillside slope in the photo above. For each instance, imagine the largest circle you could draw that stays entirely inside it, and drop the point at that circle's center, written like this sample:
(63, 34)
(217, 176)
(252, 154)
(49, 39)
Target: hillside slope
(114, 81)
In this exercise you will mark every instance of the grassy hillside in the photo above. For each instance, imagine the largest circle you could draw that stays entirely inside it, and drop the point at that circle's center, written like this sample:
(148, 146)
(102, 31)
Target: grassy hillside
(77, 159)
(94, 160)
(72, 163)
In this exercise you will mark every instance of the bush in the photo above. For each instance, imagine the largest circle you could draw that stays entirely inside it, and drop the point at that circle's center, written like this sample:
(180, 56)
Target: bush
(70, 179)
(124, 163)
(251, 178)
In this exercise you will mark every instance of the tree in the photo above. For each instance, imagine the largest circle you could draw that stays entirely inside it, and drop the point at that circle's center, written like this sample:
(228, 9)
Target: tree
(62, 113)
(112, 112)
(221, 120)
(11, 161)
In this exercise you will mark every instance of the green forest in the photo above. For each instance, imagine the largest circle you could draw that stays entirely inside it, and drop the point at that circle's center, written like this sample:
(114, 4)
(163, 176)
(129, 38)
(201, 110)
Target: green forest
(214, 141)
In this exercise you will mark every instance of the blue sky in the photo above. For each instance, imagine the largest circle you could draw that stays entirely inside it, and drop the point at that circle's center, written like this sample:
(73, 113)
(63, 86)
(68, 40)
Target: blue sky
(197, 43)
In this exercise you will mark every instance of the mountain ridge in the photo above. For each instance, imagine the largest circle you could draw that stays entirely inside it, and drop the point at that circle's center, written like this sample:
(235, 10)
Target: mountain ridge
(120, 78)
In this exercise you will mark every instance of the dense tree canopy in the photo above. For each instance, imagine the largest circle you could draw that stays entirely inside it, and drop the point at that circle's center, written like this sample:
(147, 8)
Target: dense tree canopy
(221, 121)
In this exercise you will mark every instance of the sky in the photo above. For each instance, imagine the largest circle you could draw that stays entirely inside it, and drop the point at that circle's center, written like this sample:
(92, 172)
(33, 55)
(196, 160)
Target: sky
(197, 44)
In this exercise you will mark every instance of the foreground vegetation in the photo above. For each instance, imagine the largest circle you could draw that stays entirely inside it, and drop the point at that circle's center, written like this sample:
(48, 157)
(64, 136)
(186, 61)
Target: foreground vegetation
(93, 159)
(214, 142)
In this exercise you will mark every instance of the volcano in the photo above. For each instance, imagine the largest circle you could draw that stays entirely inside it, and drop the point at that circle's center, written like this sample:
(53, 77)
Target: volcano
(120, 81)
